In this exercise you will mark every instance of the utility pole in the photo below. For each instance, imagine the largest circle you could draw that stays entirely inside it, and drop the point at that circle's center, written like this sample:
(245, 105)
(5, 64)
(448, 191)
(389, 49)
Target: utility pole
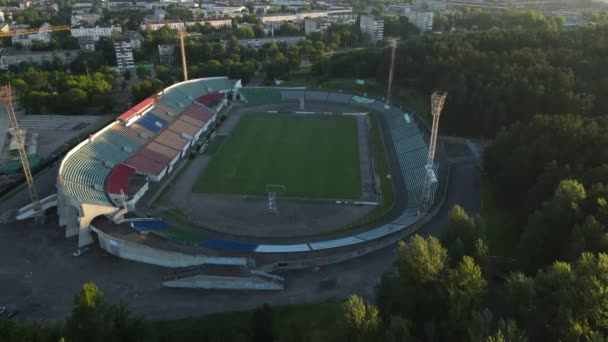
(428, 195)
(7, 98)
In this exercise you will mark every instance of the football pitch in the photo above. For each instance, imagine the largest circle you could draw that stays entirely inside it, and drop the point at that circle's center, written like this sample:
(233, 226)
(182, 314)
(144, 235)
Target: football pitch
(312, 156)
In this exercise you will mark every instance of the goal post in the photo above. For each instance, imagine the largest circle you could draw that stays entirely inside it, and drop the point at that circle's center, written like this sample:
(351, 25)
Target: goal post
(272, 190)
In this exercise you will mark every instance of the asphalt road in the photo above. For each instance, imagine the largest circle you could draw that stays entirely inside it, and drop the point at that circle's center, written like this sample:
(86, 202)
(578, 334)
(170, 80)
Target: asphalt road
(39, 275)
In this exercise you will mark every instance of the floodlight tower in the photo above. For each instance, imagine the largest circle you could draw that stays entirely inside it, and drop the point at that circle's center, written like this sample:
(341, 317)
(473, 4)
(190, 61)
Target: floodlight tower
(428, 194)
(392, 43)
(7, 98)
(183, 51)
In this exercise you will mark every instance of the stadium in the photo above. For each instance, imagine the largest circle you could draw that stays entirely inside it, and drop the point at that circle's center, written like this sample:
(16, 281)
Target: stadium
(226, 184)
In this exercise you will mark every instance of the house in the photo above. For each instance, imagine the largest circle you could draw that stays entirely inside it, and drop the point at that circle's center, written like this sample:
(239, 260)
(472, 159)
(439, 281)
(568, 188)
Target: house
(96, 32)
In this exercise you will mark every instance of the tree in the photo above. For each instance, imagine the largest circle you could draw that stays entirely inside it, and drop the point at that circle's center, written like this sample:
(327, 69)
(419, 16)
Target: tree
(546, 237)
(145, 88)
(93, 319)
(398, 330)
(570, 300)
(361, 319)
(143, 72)
(245, 32)
(463, 236)
(87, 320)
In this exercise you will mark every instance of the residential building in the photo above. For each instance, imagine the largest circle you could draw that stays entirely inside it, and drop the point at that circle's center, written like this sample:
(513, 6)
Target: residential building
(166, 53)
(135, 38)
(421, 19)
(86, 43)
(278, 17)
(373, 26)
(12, 56)
(124, 52)
(82, 18)
(96, 32)
(26, 39)
(215, 22)
(157, 24)
(290, 3)
(315, 25)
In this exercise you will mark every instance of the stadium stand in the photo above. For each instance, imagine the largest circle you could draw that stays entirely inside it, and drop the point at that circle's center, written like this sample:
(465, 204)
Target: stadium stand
(183, 127)
(147, 166)
(411, 151)
(172, 139)
(105, 151)
(149, 225)
(118, 179)
(173, 98)
(258, 96)
(210, 99)
(139, 140)
(115, 138)
(316, 95)
(148, 125)
(155, 119)
(292, 95)
(218, 84)
(82, 169)
(87, 194)
(137, 109)
(127, 133)
(339, 98)
(163, 111)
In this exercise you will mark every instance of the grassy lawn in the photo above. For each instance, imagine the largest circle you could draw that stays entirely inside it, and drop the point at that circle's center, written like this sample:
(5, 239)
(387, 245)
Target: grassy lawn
(301, 322)
(313, 156)
(386, 185)
(215, 144)
(500, 233)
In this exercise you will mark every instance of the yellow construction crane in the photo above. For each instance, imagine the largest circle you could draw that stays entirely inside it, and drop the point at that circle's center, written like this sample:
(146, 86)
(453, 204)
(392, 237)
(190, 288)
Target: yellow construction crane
(183, 33)
(36, 30)
(7, 98)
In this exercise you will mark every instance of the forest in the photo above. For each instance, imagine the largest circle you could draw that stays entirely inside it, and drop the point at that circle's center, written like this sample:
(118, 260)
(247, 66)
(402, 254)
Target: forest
(495, 77)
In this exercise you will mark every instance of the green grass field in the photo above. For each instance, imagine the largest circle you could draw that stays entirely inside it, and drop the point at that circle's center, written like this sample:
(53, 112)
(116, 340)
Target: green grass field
(313, 156)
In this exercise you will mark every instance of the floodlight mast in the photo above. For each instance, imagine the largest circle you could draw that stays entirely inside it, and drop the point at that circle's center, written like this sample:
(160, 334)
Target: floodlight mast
(7, 98)
(428, 194)
(392, 43)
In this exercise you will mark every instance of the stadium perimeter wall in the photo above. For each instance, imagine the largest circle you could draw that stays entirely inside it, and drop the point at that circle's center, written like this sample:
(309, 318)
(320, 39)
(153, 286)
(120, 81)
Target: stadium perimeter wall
(141, 253)
(160, 257)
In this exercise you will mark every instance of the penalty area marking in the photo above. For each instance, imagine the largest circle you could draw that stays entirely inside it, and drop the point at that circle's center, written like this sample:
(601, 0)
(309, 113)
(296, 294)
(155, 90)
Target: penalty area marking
(271, 111)
(360, 114)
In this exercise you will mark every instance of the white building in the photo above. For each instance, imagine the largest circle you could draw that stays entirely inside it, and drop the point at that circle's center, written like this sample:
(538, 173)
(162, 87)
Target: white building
(158, 24)
(124, 53)
(315, 25)
(421, 19)
(89, 18)
(26, 39)
(86, 43)
(215, 22)
(12, 56)
(135, 38)
(96, 32)
(373, 26)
